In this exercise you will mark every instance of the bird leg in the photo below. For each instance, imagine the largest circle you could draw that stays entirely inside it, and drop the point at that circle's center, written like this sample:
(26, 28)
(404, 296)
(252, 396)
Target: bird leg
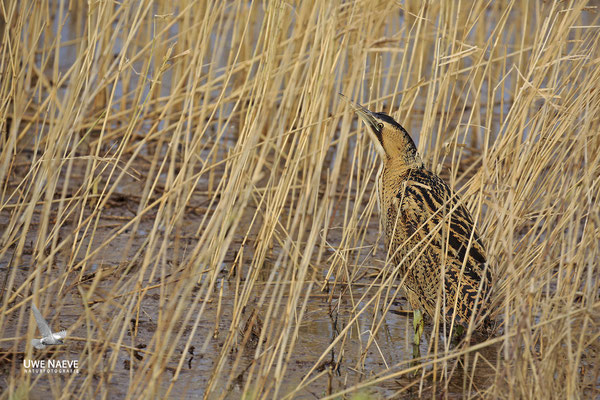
(418, 328)
(459, 332)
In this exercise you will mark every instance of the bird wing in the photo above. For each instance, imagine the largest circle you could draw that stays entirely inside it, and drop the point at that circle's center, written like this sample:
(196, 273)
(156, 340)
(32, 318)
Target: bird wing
(445, 231)
(41, 322)
(429, 205)
(61, 335)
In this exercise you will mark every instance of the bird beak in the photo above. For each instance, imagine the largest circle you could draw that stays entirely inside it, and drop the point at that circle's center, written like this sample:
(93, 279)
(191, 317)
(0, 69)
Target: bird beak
(364, 114)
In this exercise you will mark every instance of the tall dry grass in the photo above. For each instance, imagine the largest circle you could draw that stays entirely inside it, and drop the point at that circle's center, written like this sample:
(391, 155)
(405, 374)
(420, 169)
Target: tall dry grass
(183, 190)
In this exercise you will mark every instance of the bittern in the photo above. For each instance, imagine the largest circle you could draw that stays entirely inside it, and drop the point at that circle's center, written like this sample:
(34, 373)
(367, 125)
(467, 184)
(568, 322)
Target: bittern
(430, 235)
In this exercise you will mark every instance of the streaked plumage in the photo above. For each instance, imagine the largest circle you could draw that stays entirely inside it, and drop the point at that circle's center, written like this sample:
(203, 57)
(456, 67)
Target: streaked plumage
(429, 233)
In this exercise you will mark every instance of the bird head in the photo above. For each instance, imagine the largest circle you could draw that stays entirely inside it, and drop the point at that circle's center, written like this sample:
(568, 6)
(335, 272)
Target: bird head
(391, 140)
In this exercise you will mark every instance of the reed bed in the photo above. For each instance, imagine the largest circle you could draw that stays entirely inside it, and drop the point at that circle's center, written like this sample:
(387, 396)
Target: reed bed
(183, 190)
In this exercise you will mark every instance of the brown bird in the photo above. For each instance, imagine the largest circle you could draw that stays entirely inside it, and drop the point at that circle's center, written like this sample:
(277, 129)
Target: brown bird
(430, 235)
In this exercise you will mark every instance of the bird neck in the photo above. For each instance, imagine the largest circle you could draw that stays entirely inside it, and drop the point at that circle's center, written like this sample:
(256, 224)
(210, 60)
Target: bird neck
(403, 162)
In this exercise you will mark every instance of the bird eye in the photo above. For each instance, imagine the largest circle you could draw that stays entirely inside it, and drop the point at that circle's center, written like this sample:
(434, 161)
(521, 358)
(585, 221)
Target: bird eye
(380, 126)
